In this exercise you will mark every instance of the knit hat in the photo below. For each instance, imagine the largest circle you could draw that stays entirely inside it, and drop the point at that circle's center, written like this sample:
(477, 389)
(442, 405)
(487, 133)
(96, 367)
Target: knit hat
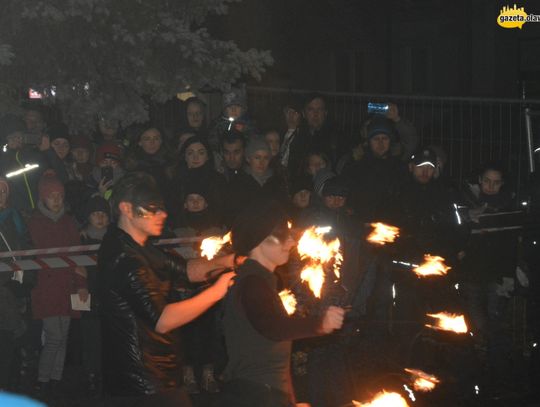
(256, 143)
(424, 156)
(236, 96)
(97, 204)
(300, 183)
(4, 182)
(378, 125)
(110, 150)
(79, 141)
(196, 187)
(10, 124)
(58, 130)
(255, 224)
(335, 187)
(49, 184)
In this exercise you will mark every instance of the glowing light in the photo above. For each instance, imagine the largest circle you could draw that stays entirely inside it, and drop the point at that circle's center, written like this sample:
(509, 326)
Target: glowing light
(449, 322)
(213, 244)
(383, 234)
(384, 399)
(289, 301)
(423, 381)
(26, 168)
(432, 266)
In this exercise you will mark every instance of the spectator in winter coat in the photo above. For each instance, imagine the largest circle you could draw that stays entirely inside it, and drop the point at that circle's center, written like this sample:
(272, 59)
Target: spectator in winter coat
(108, 168)
(49, 227)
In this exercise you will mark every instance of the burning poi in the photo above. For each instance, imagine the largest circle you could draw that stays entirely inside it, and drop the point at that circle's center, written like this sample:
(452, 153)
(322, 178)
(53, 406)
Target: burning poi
(423, 381)
(312, 246)
(449, 322)
(383, 234)
(432, 266)
(384, 399)
(213, 244)
(289, 301)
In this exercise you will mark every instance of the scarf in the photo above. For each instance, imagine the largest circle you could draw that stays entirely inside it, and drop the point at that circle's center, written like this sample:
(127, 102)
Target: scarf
(94, 233)
(55, 217)
(261, 178)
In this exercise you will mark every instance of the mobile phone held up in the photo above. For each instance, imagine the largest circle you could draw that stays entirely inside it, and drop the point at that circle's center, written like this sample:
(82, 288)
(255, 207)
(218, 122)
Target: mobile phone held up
(106, 174)
(377, 108)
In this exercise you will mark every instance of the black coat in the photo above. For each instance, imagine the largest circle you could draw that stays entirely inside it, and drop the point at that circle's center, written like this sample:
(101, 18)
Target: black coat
(135, 284)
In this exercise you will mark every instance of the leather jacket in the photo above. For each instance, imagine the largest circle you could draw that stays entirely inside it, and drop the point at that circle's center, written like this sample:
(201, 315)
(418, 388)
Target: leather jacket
(135, 284)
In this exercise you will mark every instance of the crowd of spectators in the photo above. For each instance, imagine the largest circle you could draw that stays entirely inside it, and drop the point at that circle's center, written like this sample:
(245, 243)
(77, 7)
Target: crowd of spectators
(55, 187)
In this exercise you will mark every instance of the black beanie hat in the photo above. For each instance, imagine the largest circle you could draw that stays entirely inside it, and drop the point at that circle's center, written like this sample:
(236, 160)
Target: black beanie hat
(300, 183)
(335, 187)
(255, 224)
(58, 130)
(196, 186)
(97, 204)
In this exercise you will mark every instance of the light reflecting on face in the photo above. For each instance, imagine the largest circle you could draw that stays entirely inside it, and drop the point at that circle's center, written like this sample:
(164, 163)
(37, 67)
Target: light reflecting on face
(334, 201)
(277, 250)
(292, 118)
(196, 155)
(150, 219)
(80, 155)
(259, 161)
(150, 141)
(234, 111)
(491, 182)
(55, 201)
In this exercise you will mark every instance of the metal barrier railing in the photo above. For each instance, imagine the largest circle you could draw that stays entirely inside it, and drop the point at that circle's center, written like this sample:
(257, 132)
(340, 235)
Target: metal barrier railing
(470, 130)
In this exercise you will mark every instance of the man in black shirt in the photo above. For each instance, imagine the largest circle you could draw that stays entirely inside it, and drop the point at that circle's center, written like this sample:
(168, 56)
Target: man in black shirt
(258, 331)
(136, 280)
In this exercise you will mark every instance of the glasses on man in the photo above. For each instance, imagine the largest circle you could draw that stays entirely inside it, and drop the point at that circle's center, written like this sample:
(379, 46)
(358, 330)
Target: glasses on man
(150, 210)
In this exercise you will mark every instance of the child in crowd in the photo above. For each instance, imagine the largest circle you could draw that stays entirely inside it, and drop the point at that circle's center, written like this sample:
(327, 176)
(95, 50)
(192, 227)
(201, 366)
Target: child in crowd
(50, 226)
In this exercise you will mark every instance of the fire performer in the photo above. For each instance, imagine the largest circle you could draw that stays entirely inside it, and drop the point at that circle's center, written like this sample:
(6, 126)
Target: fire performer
(141, 365)
(258, 331)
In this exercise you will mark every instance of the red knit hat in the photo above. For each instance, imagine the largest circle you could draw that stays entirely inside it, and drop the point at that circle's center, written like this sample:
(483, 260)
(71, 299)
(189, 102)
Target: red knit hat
(49, 184)
(108, 150)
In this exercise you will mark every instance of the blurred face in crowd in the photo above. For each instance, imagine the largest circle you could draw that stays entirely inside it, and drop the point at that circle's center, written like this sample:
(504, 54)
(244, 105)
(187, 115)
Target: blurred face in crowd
(109, 162)
(292, 118)
(423, 174)
(99, 220)
(334, 201)
(315, 113)
(61, 147)
(195, 203)
(34, 121)
(259, 161)
(272, 138)
(491, 182)
(301, 199)
(4, 193)
(80, 155)
(315, 163)
(379, 144)
(233, 154)
(107, 130)
(15, 141)
(55, 201)
(195, 115)
(150, 141)
(196, 155)
(234, 111)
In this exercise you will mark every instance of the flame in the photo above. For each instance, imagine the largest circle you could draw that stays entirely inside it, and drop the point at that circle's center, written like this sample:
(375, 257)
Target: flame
(384, 399)
(289, 301)
(383, 234)
(213, 244)
(289, 224)
(449, 322)
(432, 266)
(423, 381)
(314, 275)
(313, 246)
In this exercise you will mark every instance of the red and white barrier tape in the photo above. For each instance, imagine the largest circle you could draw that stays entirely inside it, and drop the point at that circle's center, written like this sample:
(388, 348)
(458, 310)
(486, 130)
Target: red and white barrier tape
(63, 260)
